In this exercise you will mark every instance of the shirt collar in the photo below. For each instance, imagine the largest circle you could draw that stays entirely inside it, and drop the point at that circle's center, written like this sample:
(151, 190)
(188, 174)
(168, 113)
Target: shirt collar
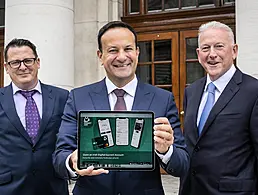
(222, 81)
(16, 89)
(130, 88)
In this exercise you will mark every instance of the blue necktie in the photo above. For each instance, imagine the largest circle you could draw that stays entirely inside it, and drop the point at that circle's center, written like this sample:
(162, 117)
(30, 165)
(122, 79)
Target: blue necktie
(208, 106)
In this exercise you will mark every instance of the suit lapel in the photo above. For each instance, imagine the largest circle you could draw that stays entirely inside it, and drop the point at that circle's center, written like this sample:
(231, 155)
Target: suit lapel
(48, 101)
(99, 96)
(10, 110)
(194, 106)
(228, 93)
(143, 97)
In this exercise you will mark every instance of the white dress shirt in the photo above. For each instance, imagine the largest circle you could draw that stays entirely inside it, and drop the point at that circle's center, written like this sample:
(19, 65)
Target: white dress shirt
(20, 101)
(129, 88)
(220, 85)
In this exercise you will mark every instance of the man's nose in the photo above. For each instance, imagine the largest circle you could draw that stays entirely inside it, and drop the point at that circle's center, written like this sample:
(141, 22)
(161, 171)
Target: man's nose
(22, 66)
(213, 53)
(121, 56)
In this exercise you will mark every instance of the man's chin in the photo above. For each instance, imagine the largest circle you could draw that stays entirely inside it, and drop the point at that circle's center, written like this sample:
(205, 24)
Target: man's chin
(25, 81)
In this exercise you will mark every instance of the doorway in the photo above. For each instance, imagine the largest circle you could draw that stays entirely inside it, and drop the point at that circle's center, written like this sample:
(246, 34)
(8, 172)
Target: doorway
(169, 61)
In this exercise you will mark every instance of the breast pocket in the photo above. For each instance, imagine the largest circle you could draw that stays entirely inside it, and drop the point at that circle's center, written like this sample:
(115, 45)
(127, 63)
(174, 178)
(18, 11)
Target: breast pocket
(232, 119)
(229, 115)
(55, 118)
(54, 122)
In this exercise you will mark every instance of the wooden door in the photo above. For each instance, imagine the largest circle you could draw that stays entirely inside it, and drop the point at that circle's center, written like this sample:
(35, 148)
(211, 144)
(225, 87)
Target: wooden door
(169, 61)
(158, 61)
(190, 68)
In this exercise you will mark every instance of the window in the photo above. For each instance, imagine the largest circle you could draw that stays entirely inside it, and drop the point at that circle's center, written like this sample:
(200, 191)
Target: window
(144, 7)
(158, 61)
(134, 7)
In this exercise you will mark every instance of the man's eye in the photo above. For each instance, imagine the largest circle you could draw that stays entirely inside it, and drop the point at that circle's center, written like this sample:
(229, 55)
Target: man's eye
(219, 46)
(128, 49)
(112, 51)
(15, 62)
(205, 48)
(28, 61)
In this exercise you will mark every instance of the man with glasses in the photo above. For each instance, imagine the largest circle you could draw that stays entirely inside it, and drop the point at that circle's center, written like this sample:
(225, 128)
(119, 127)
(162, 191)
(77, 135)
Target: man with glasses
(30, 116)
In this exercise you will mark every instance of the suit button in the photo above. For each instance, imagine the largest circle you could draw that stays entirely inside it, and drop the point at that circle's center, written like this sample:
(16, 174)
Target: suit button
(34, 172)
(33, 150)
(197, 148)
(193, 173)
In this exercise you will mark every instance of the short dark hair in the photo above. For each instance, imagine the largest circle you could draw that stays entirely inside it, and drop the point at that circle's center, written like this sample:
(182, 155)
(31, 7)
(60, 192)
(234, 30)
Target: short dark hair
(19, 43)
(114, 24)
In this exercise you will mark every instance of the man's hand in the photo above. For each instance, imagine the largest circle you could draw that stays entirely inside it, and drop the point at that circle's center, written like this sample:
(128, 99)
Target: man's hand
(89, 171)
(163, 134)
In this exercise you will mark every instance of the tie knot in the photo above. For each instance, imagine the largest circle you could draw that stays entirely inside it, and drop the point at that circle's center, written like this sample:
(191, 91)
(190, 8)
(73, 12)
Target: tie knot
(211, 88)
(28, 94)
(119, 92)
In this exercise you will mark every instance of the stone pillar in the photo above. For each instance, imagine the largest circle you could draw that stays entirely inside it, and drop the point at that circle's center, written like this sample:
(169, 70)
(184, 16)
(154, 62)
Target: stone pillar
(90, 16)
(49, 25)
(246, 36)
(85, 24)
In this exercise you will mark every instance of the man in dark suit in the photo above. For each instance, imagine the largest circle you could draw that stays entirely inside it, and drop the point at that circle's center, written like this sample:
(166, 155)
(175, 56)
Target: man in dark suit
(118, 53)
(30, 116)
(221, 120)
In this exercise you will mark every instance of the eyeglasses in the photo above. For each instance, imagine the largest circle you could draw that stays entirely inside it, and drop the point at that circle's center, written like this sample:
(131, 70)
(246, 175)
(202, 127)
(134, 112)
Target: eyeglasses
(17, 63)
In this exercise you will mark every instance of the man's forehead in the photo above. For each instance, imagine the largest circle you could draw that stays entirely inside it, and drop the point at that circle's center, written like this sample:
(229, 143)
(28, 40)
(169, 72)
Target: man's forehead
(20, 48)
(214, 37)
(16, 50)
(118, 31)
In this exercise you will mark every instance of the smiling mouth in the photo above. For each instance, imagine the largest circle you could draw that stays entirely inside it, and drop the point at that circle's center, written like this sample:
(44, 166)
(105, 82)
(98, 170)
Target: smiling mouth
(23, 74)
(121, 65)
(213, 63)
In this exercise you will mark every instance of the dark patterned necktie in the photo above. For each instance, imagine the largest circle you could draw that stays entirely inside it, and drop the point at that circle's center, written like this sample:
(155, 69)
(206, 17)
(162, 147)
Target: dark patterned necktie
(32, 116)
(120, 102)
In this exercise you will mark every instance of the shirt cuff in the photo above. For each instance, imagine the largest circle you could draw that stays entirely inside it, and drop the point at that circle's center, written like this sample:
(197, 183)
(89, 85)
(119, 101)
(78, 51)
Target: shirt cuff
(165, 158)
(70, 171)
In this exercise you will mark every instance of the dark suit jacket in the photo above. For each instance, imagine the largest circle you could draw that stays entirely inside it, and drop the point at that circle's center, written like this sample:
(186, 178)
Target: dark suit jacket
(95, 97)
(224, 157)
(26, 169)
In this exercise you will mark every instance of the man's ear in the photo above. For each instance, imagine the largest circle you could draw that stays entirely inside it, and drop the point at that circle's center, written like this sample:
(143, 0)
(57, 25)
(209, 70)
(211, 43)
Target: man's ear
(6, 67)
(198, 51)
(38, 62)
(138, 50)
(99, 53)
(235, 51)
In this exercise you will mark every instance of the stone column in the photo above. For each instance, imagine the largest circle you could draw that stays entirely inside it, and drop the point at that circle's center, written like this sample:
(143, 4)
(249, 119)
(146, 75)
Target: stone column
(246, 36)
(85, 24)
(90, 16)
(49, 25)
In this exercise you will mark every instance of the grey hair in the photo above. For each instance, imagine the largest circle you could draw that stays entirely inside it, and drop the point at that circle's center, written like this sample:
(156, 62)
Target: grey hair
(216, 25)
